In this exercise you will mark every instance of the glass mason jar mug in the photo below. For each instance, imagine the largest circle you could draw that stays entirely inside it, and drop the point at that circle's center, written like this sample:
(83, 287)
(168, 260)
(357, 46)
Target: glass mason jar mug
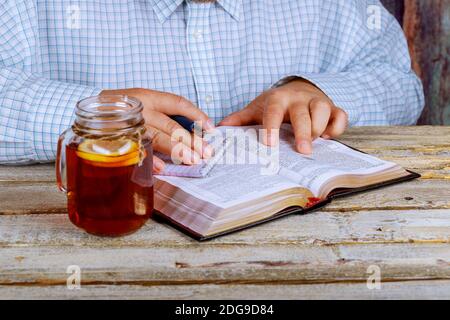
(104, 164)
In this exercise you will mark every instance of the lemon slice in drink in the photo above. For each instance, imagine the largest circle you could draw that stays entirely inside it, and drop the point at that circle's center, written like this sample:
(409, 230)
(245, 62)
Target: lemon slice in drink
(109, 153)
(113, 148)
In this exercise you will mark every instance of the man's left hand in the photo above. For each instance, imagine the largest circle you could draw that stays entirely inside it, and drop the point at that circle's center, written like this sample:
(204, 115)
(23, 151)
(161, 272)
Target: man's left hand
(309, 110)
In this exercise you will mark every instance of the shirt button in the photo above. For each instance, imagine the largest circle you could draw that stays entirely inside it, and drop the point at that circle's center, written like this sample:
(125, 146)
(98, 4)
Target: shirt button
(198, 34)
(209, 99)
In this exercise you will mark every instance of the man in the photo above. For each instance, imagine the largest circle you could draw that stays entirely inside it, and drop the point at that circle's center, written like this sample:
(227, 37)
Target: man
(318, 64)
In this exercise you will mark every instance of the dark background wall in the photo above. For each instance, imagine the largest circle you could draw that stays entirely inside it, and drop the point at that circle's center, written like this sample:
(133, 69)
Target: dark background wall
(396, 7)
(427, 27)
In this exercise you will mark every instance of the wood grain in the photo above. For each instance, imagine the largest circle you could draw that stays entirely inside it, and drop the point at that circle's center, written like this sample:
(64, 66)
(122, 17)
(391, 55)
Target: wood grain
(436, 290)
(27, 190)
(403, 229)
(31, 173)
(425, 144)
(44, 198)
(365, 227)
(239, 264)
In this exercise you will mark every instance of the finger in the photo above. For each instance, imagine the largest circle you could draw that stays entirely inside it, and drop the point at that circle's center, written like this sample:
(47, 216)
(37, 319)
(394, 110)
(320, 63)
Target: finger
(158, 165)
(273, 117)
(337, 125)
(172, 104)
(247, 116)
(320, 111)
(177, 132)
(179, 152)
(239, 118)
(301, 123)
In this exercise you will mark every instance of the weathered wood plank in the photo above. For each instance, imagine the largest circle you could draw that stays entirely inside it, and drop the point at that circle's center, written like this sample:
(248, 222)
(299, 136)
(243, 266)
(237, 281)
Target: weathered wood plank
(428, 146)
(39, 198)
(321, 228)
(419, 194)
(428, 32)
(205, 264)
(420, 163)
(33, 173)
(433, 290)
(411, 144)
(394, 228)
(417, 132)
(27, 198)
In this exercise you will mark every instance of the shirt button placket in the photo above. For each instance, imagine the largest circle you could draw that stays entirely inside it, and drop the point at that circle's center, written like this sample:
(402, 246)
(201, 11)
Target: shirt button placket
(198, 34)
(201, 52)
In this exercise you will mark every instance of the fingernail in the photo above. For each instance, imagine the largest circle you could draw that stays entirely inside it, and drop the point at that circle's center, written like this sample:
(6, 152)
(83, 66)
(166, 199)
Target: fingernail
(305, 147)
(207, 151)
(273, 139)
(209, 125)
(192, 158)
(158, 165)
(196, 158)
(326, 137)
(265, 139)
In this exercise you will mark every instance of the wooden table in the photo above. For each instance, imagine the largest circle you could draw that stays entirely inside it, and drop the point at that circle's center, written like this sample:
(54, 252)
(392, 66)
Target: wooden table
(404, 230)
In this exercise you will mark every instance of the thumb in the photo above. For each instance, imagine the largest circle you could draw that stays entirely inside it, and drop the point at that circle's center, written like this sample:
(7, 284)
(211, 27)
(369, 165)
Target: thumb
(239, 118)
(158, 165)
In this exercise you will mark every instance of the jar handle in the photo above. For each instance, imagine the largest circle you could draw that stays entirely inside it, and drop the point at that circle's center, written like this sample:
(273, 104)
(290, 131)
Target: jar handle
(61, 165)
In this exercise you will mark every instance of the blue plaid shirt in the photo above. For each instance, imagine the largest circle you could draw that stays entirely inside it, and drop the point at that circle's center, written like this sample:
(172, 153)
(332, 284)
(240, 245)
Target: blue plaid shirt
(219, 55)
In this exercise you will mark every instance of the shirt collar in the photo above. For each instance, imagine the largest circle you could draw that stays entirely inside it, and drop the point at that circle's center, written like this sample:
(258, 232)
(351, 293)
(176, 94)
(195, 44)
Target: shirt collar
(164, 8)
(233, 7)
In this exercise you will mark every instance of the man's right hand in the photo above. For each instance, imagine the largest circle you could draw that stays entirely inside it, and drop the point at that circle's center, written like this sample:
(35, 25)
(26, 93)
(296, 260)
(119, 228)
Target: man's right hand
(158, 107)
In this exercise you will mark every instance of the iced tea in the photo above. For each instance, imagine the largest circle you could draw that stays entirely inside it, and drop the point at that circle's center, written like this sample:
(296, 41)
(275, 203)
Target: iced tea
(112, 194)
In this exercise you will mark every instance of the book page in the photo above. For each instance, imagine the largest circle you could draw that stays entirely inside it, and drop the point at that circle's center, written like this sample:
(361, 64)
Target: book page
(329, 159)
(232, 145)
(229, 185)
(226, 184)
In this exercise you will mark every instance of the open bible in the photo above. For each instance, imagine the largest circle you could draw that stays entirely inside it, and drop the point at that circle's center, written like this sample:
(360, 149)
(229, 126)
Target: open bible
(247, 183)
